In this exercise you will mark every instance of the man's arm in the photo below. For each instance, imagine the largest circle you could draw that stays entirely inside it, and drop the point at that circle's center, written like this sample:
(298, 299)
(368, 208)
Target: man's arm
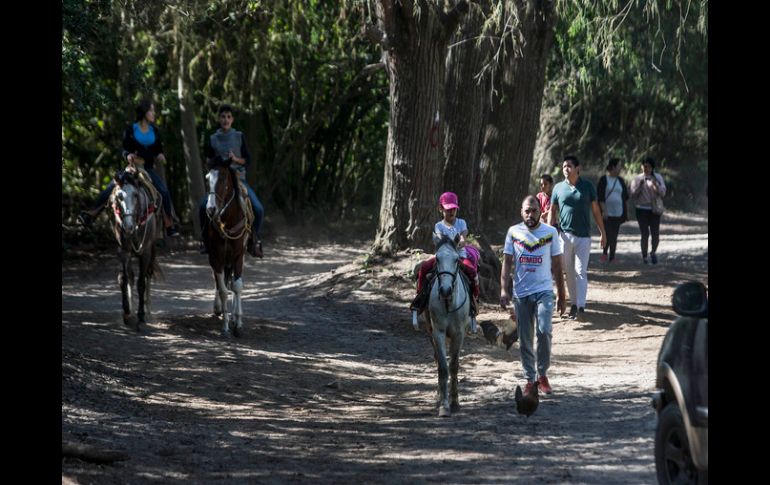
(245, 159)
(558, 277)
(553, 216)
(599, 222)
(505, 272)
(245, 151)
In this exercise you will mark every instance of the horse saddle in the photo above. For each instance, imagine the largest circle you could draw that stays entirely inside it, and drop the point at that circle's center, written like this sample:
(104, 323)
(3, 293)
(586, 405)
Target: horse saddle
(244, 201)
(421, 300)
(146, 182)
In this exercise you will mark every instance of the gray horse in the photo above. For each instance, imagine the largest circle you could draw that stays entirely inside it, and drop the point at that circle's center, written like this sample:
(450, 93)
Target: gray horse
(448, 317)
(137, 226)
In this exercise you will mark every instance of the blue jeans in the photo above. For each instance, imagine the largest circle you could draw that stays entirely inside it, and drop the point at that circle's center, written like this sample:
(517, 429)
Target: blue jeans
(256, 205)
(537, 306)
(156, 181)
(104, 195)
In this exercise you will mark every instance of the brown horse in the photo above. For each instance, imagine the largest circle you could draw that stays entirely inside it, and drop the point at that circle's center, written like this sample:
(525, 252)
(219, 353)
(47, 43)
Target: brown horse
(137, 226)
(227, 231)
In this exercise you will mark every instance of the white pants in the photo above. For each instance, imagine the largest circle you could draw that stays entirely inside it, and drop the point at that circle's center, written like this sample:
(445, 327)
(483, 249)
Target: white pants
(576, 253)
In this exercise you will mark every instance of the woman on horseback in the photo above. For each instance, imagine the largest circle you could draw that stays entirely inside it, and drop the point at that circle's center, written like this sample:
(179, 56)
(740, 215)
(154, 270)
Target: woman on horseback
(142, 147)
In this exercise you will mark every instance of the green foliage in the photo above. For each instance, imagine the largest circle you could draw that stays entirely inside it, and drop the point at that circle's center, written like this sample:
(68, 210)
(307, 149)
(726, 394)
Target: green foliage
(626, 78)
(631, 80)
(294, 70)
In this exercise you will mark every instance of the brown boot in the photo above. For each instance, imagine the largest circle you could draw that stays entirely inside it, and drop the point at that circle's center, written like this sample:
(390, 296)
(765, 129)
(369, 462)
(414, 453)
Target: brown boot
(254, 246)
(420, 300)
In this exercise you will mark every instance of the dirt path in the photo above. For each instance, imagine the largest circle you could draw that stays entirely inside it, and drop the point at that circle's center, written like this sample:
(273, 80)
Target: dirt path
(332, 385)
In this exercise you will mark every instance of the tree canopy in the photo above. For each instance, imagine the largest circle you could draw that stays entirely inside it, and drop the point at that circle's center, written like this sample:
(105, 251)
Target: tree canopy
(314, 95)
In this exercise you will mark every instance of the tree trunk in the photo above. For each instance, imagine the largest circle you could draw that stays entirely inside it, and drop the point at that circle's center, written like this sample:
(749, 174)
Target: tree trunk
(514, 117)
(415, 45)
(549, 146)
(189, 136)
(465, 113)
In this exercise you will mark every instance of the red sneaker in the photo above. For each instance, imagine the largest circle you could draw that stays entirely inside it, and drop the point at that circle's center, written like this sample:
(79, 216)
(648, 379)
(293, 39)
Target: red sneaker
(544, 385)
(528, 387)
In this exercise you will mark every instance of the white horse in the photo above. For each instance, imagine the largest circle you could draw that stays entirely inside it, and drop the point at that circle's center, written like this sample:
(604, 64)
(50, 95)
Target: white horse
(448, 317)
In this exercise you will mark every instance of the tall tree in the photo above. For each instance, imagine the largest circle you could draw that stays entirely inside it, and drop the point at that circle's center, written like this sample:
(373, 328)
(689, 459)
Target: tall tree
(190, 145)
(466, 110)
(514, 115)
(413, 35)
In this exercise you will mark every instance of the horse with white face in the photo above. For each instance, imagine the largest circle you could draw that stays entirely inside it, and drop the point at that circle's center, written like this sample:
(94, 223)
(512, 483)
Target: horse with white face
(136, 228)
(448, 318)
(227, 232)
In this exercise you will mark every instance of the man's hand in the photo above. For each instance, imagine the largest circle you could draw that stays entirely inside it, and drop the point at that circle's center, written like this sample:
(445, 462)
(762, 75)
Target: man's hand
(561, 305)
(603, 241)
(233, 158)
(505, 299)
(160, 158)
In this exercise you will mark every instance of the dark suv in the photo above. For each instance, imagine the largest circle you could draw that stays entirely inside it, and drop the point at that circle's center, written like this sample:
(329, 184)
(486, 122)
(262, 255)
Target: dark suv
(682, 395)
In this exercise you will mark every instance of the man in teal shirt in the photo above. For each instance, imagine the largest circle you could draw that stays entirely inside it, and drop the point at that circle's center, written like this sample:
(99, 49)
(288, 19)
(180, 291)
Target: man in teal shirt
(572, 202)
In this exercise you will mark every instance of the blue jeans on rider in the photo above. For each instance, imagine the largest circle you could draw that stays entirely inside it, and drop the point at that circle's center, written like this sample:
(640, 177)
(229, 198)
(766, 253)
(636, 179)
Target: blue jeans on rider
(537, 306)
(161, 186)
(104, 195)
(259, 210)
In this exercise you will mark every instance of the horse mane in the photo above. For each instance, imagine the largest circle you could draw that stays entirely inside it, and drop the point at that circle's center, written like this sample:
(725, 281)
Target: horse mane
(125, 177)
(444, 240)
(218, 162)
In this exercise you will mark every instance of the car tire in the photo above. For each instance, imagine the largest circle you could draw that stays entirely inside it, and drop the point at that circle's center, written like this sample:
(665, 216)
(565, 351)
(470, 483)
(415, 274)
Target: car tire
(673, 461)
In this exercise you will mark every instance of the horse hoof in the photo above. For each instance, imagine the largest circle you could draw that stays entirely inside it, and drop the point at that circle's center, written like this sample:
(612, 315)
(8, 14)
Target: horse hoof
(237, 332)
(129, 320)
(225, 334)
(455, 407)
(444, 412)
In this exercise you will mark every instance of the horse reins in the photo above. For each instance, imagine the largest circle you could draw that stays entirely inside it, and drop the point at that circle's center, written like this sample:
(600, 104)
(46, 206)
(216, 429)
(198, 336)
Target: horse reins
(146, 215)
(454, 282)
(221, 225)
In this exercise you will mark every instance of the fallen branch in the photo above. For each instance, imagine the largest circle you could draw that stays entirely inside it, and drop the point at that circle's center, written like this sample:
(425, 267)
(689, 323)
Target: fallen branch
(91, 454)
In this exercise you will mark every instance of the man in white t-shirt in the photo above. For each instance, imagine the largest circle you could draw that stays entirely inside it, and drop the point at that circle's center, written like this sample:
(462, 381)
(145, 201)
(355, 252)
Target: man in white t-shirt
(534, 249)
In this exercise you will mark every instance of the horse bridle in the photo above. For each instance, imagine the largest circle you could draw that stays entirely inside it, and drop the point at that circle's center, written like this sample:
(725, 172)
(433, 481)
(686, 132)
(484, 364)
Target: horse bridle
(218, 198)
(219, 224)
(454, 282)
(121, 212)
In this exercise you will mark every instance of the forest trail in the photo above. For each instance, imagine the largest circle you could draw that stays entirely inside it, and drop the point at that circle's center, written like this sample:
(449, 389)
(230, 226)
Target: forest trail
(332, 385)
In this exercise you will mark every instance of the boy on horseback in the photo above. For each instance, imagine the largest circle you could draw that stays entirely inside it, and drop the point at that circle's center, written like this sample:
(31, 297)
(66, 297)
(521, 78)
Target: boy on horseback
(228, 144)
(452, 227)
